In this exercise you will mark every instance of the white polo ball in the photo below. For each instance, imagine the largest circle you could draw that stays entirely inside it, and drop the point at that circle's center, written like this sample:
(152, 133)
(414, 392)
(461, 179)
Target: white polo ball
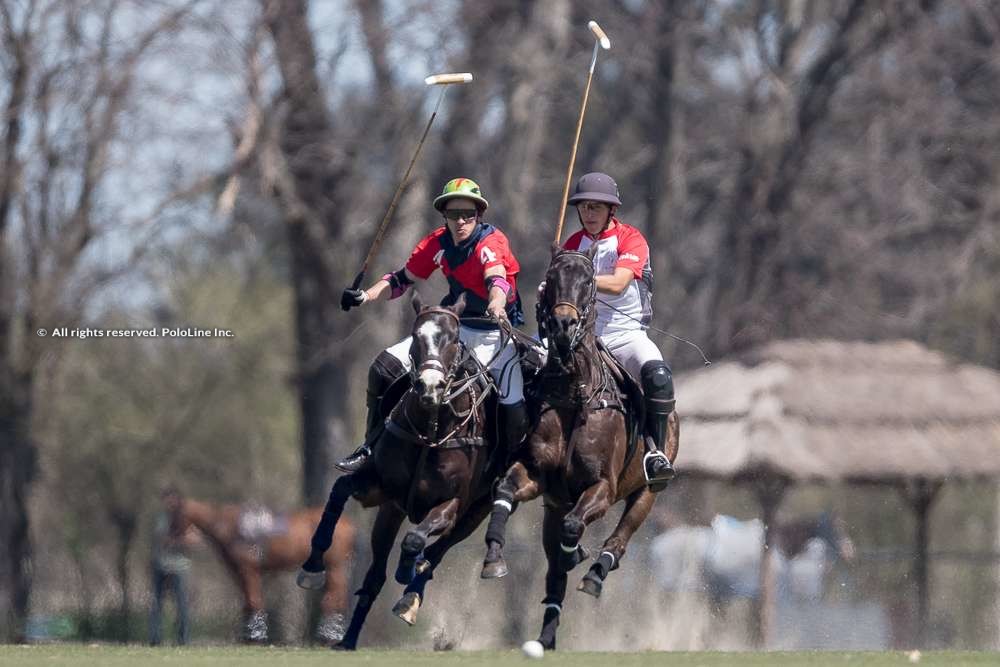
(533, 649)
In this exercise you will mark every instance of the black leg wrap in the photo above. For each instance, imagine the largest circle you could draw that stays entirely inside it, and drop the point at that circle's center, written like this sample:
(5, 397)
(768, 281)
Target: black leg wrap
(515, 427)
(498, 525)
(339, 494)
(603, 565)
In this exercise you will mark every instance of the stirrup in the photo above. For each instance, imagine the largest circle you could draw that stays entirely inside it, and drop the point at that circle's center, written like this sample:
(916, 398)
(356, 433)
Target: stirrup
(664, 476)
(355, 461)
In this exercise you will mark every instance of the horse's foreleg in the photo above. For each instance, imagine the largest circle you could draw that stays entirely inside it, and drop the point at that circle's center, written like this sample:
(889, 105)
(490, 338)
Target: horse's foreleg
(383, 535)
(555, 577)
(342, 490)
(637, 508)
(518, 485)
(413, 597)
(439, 520)
(591, 505)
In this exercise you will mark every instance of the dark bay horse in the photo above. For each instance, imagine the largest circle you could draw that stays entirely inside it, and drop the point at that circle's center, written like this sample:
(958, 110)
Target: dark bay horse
(434, 464)
(249, 550)
(578, 454)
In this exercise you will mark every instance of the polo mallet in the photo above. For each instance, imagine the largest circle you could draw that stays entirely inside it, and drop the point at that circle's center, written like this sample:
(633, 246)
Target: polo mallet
(443, 80)
(600, 40)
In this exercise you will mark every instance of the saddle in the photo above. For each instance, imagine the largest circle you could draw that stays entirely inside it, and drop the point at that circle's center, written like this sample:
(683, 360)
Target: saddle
(635, 405)
(257, 524)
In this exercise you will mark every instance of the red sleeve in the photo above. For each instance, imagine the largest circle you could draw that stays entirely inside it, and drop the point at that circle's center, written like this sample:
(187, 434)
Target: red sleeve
(494, 251)
(573, 242)
(633, 251)
(421, 262)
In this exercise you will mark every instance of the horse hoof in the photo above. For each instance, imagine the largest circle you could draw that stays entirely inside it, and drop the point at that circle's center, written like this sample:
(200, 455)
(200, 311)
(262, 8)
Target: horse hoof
(341, 646)
(591, 586)
(495, 570)
(407, 607)
(311, 581)
(422, 566)
(332, 628)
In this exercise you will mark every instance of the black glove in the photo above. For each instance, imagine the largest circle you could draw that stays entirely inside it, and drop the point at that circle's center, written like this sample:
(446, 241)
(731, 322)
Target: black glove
(351, 298)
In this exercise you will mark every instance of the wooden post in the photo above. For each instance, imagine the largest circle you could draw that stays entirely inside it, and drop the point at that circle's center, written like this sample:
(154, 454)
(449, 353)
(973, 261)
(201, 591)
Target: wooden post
(920, 493)
(770, 490)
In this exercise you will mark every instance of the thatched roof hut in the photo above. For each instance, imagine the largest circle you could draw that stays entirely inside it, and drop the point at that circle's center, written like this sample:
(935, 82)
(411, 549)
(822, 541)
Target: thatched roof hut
(843, 411)
(822, 410)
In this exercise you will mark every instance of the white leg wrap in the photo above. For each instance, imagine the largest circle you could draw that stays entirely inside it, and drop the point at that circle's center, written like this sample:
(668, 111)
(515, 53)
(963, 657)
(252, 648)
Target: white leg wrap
(503, 503)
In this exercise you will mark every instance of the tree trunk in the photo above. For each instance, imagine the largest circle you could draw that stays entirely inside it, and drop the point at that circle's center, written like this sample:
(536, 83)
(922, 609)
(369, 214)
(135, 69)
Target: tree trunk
(314, 202)
(126, 536)
(17, 471)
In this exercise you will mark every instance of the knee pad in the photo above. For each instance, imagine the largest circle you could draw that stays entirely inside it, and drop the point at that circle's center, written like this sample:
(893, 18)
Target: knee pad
(658, 386)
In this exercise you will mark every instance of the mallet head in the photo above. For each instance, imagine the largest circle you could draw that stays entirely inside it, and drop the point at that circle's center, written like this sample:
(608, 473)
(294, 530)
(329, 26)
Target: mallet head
(444, 79)
(601, 36)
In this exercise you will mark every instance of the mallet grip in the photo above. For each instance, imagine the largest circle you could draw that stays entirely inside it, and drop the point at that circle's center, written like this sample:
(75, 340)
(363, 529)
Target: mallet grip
(438, 79)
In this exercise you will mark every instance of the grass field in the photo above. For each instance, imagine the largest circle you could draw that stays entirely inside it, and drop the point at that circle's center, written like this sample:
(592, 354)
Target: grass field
(67, 654)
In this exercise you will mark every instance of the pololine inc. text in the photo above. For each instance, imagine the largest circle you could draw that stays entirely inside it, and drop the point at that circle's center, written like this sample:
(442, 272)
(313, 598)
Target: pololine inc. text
(152, 332)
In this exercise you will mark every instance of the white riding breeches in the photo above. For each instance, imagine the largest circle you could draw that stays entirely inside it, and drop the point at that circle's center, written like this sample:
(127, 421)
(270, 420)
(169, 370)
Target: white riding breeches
(505, 369)
(633, 349)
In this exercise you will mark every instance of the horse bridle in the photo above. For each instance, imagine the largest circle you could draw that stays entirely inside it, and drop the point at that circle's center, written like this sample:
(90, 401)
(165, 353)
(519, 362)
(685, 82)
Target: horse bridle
(433, 362)
(582, 316)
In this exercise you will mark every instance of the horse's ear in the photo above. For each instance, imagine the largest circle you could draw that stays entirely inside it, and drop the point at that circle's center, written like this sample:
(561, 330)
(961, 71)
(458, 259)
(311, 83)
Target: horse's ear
(459, 304)
(591, 252)
(417, 302)
(556, 249)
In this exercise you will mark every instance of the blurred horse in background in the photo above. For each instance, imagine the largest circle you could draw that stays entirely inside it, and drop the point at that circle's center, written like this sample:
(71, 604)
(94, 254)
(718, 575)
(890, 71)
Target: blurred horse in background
(253, 541)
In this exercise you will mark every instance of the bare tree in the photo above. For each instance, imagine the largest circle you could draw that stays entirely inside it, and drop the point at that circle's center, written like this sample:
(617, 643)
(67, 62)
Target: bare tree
(75, 77)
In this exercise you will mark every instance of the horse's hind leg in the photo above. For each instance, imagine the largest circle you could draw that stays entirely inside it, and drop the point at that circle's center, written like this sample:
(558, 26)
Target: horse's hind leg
(555, 577)
(518, 485)
(413, 597)
(383, 535)
(591, 505)
(439, 520)
(637, 507)
(336, 596)
(255, 617)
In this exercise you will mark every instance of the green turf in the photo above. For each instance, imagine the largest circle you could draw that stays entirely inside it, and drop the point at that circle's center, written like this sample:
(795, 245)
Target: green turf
(68, 654)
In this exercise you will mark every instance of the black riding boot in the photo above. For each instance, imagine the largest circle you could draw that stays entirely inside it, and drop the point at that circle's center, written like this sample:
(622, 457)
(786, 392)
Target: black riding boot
(381, 374)
(658, 390)
(515, 427)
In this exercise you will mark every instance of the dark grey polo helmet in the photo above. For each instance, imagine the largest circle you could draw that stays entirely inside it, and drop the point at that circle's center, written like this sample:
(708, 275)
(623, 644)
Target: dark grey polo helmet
(596, 186)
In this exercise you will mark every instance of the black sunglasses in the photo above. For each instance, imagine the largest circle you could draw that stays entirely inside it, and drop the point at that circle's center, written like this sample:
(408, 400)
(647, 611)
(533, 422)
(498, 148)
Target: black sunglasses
(459, 213)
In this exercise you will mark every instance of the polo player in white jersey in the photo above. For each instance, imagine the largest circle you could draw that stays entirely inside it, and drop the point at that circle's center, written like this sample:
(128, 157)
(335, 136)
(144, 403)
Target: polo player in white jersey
(624, 309)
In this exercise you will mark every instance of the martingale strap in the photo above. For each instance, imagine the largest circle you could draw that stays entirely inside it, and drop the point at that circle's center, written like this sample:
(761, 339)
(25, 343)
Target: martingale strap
(450, 443)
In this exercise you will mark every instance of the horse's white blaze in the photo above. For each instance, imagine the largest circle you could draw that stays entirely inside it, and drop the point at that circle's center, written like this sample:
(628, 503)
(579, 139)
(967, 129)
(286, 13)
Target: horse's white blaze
(431, 378)
(428, 332)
